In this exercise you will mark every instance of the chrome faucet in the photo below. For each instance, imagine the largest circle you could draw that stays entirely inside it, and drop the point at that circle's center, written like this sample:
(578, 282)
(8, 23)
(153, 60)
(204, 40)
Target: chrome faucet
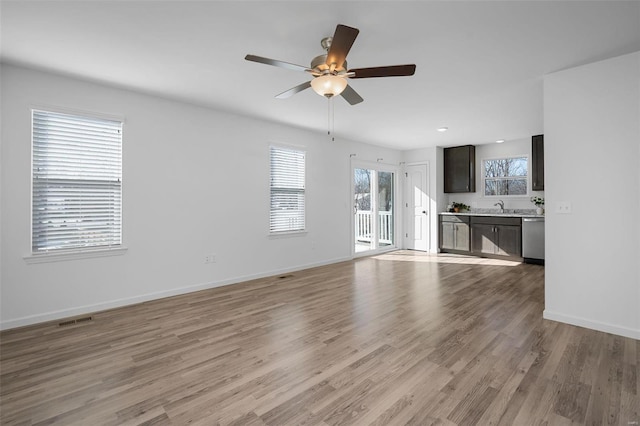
(501, 204)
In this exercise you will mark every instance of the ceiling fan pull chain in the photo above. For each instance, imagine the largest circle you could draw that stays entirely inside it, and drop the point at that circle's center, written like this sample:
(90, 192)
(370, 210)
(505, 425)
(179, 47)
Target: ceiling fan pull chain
(331, 119)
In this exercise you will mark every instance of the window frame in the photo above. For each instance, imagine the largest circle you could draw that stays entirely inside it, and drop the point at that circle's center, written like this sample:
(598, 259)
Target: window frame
(291, 231)
(505, 157)
(76, 252)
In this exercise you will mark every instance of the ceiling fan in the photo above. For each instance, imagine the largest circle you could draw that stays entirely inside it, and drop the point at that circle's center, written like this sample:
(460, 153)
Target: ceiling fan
(330, 70)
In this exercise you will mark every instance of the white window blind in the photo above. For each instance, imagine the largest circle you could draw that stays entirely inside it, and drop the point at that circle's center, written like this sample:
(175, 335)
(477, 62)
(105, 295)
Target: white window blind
(287, 190)
(77, 182)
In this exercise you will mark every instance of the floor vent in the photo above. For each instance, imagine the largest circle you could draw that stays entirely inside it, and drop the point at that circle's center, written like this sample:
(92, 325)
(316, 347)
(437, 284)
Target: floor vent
(282, 277)
(75, 321)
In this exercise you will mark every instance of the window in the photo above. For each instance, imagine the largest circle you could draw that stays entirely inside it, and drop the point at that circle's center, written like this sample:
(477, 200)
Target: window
(287, 190)
(77, 182)
(505, 176)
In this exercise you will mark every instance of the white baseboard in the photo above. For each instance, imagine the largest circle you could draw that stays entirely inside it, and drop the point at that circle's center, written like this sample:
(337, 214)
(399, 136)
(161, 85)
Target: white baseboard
(97, 307)
(593, 325)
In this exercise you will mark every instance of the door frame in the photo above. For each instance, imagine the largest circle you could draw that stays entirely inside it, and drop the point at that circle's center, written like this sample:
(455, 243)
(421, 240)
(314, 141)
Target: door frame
(408, 216)
(378, 167)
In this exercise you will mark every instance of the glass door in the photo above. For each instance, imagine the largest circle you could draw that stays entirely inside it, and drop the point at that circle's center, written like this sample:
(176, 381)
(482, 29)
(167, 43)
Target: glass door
(385, 209)
(374, 222)
(363, 213)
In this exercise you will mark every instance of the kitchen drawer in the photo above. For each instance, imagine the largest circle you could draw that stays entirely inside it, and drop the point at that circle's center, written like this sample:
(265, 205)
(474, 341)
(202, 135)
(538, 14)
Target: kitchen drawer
(496, 220)
(456, 219)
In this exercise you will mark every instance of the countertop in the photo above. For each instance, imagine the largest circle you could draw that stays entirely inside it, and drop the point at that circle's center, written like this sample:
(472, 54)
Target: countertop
(495, 214)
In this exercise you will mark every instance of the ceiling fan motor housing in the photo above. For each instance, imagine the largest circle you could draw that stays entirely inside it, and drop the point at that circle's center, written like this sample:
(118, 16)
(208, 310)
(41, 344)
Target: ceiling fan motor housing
(319, 64)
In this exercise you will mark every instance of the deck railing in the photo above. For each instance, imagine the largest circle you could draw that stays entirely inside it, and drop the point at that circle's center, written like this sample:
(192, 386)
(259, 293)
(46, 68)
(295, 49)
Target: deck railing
(364, 227)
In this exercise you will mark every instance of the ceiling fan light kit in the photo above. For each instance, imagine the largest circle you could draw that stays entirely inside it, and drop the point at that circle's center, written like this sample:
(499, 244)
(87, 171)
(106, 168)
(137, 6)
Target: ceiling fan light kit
(328, 85)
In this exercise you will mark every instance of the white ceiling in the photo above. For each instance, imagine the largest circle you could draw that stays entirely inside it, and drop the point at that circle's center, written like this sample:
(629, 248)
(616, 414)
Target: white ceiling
(479, 64)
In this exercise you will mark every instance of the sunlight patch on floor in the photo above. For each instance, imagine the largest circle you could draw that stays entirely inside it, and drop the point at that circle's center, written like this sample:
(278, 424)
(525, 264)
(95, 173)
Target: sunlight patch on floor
(421, 257)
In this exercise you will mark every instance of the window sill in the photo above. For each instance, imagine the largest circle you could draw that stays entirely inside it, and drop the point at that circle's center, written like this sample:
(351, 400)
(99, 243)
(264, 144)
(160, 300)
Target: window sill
(73, 255)
(287, 234)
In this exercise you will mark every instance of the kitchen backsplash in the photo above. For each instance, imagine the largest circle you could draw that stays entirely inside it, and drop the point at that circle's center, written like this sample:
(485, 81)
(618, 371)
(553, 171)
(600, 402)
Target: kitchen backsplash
(497, 211)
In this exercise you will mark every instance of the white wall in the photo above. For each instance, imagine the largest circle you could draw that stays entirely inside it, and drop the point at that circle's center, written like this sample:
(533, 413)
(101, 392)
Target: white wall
(477, 199)
(592, 153)
(195, 181)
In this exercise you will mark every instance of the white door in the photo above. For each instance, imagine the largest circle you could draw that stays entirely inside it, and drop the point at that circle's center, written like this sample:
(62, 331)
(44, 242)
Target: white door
(417, 208)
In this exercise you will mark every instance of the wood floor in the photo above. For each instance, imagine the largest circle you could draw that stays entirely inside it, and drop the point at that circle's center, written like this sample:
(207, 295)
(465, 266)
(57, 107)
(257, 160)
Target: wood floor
(401, 338)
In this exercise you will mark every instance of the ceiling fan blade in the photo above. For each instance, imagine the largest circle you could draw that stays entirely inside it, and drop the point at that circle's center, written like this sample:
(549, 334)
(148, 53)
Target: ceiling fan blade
(276, 63)
(294, 90)
(341, 43)
(351, 95)
(390, 71)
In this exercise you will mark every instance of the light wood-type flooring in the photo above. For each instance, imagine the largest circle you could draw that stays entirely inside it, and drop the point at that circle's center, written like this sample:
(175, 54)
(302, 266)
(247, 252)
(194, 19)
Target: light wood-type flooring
(400, 338)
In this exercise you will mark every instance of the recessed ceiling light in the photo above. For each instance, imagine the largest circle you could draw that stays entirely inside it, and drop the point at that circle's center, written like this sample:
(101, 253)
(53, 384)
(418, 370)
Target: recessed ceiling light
(500, 141)
(443, 129)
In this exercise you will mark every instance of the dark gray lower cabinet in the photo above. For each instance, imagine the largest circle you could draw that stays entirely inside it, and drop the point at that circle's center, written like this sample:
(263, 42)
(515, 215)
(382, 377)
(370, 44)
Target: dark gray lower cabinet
(487, 236)
(496, 236)
(455, 234)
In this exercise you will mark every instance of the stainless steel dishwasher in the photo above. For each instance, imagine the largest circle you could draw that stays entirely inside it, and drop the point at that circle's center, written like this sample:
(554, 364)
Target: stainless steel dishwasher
(533, 239)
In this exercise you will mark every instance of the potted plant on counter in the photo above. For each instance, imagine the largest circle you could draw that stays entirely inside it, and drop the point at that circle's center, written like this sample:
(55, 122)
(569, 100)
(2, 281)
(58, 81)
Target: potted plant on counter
(459, 207)
(539, 202)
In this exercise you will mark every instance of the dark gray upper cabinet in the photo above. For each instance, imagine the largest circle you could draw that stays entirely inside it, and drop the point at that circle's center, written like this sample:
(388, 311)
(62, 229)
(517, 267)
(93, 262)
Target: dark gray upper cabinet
(460, 169)
(537, 163)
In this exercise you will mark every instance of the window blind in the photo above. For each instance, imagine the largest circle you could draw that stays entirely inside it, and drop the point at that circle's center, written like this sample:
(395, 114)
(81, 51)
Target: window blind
(77, 182)
(287, 190)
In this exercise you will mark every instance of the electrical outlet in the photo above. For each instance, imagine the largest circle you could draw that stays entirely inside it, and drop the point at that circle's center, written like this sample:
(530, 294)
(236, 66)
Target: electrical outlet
(563, 207)
(210, 258)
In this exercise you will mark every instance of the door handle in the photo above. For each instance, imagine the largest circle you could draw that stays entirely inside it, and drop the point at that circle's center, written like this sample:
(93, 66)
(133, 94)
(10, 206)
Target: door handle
(424, 211)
